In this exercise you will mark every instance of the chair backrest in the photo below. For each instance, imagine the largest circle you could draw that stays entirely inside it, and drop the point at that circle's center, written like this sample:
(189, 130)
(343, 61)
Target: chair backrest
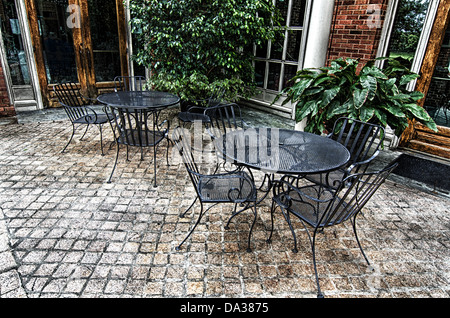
(361, 139)
(70, 98)
(216, 97)
(182, 139)
(133, 126)
(129, 83)
(348, 201)
(223, 118)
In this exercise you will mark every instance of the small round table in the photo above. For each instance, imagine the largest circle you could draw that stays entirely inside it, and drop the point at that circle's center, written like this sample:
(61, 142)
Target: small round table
(137, 99)
(283, 151)
(134, 118)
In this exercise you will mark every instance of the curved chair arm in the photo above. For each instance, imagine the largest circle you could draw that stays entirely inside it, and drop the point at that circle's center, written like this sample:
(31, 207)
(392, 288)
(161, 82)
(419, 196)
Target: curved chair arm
(78, 112)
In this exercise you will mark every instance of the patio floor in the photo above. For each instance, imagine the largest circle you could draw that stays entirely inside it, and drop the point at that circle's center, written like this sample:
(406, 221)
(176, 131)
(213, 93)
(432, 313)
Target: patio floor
(65, 232)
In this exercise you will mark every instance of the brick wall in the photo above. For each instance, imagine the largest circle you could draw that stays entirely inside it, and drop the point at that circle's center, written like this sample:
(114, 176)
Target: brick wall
(6, 108)
(356, 29)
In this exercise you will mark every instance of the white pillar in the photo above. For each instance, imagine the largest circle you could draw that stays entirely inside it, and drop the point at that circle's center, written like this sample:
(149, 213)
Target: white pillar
(317, 40)
(318, 33)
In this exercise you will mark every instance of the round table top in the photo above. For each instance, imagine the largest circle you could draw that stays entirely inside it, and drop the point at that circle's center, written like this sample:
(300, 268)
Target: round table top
(139, 99)
(282, 151)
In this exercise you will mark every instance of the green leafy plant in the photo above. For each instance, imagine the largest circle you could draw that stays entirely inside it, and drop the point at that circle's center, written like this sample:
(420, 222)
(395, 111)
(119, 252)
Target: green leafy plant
(371, 95)
(194, 46)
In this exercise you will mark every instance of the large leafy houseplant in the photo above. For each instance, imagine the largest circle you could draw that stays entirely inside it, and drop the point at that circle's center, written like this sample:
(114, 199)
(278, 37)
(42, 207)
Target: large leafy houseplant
(193, 47)
(371, 95)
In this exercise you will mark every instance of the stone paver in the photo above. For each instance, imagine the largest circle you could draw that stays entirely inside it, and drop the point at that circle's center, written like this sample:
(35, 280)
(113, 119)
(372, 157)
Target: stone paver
(65, 232)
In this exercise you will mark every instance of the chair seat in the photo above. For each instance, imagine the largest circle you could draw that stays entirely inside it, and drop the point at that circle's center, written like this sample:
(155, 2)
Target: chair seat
(89, 119)
(191, 117)
(225, 188)
(141, 138)
(310, 209)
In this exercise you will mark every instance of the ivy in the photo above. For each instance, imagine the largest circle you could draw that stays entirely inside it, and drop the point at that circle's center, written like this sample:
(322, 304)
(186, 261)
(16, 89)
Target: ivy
(192, 46)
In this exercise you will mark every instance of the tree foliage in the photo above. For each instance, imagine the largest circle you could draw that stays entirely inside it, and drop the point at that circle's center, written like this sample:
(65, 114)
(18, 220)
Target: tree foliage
(193, 46)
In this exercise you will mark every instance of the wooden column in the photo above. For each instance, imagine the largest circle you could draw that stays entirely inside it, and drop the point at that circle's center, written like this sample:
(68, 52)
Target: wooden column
(37, 50)
(427, 69)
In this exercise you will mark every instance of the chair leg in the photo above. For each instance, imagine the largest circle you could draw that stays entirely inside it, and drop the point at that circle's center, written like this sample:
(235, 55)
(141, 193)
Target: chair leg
(85, 131)
(288, 220)
(193, 228)
(249, 249)
(192, 204)
(70, 139)
(272, 210)
(313, 246)
(154, 166)
(101, 139)
(115, 163)
(357, 240)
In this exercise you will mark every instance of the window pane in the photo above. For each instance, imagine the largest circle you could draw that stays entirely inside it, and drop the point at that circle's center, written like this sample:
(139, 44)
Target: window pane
(15, 54)
(105, 40)
(273, 81)
(282, 5)
(260, 70)
(407, 28)
(289, 72)
(261, 50)
(276, 50)
(293, 45)
(298, 12)
(57, 41)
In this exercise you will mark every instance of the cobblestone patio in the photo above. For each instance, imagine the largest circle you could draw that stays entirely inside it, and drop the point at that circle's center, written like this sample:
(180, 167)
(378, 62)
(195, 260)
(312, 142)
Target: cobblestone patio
(66, 232)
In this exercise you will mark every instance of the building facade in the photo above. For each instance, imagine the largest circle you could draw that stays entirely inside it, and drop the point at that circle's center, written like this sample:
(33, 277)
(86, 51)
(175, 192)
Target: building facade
(45, 42)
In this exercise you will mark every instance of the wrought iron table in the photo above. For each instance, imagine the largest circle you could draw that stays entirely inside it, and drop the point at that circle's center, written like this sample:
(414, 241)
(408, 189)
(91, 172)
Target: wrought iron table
(135, 119)
(283, 151)
(138, 99)
(280, 151)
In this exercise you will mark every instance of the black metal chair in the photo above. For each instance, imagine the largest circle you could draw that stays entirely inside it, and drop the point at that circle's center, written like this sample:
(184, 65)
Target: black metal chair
(129, 83)
(137, 127)
(318, 207)
(362, 139)
(235, 187)
(80, 110)
(195, 112)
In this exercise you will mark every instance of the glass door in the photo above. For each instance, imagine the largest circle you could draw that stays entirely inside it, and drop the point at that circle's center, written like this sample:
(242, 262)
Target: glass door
(78, 41)
(16, 52)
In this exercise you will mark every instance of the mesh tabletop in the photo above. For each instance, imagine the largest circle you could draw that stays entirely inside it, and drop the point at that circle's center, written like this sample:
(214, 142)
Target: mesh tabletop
(137, 99)
(282, 150)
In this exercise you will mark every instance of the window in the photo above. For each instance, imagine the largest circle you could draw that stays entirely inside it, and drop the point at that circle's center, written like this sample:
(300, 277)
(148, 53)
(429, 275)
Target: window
(277, 61)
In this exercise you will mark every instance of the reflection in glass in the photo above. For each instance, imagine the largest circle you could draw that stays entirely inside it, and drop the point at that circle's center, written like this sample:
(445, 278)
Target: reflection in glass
(14, 50)
(407, 28)
(57, 41)
(293, 45)
(105, 39)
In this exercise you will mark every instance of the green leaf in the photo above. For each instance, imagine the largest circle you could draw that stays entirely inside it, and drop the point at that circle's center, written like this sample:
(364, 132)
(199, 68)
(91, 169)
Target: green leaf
(369, 83)
(405, 79)
(360, 97)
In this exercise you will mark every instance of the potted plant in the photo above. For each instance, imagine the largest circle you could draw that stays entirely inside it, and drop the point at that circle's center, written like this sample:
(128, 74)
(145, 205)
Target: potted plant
(194, 47)
(371, 95)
